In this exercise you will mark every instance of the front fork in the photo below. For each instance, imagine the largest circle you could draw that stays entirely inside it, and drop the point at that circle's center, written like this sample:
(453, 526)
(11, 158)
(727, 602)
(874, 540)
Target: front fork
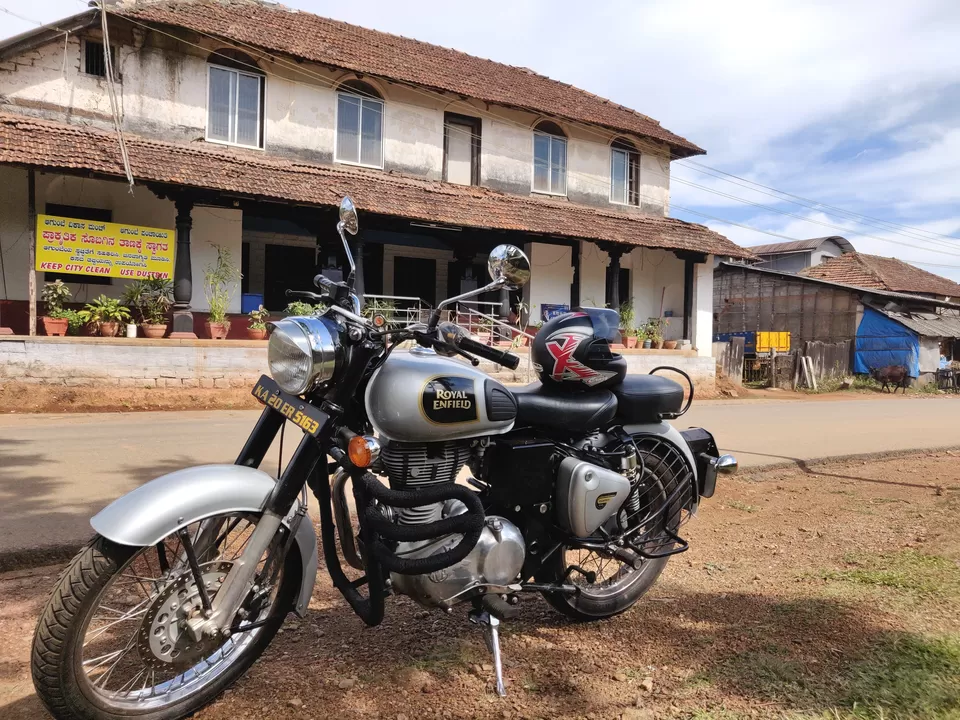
(241, 578)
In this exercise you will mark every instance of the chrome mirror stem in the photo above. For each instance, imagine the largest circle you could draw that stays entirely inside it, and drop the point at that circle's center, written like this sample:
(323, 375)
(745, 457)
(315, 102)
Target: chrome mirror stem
(495, 285)
(346, 247)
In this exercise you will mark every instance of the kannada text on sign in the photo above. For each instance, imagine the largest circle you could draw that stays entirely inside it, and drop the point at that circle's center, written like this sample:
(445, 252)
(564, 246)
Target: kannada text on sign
(88, 247)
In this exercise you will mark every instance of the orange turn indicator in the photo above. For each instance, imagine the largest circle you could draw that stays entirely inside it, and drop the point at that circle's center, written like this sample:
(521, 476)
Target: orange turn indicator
(359, 451)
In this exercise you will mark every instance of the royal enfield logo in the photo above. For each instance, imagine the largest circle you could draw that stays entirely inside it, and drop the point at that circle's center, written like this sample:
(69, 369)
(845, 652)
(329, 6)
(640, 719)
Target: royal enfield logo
(449, 399)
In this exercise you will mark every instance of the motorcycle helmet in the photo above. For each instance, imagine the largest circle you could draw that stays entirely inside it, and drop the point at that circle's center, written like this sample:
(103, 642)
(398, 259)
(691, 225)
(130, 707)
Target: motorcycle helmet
(572, 351)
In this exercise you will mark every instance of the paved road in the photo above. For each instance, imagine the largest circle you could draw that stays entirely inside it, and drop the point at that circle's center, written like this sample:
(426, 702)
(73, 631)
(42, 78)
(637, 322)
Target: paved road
(57, 470)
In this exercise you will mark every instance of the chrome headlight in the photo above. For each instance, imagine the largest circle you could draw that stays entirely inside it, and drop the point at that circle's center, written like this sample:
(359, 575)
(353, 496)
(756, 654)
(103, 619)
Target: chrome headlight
(303, 352)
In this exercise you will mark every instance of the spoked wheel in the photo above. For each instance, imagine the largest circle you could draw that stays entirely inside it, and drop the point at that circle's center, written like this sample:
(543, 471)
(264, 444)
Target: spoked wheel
(112, 641)
(608, 585)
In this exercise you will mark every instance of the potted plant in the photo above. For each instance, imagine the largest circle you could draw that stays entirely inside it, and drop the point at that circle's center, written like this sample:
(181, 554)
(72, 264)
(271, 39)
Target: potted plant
(220, 283)
(152, 299)
(257, 329)
(105, 313)
(643, 339)
(655, 332)
(626, 323)
(56, 321)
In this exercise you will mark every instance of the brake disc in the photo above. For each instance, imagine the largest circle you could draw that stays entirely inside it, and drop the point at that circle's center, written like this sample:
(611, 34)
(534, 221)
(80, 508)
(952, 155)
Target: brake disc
(163, 640)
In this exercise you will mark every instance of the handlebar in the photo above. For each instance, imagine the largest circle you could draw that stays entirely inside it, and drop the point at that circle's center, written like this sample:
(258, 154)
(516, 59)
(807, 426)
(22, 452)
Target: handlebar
(454, 335)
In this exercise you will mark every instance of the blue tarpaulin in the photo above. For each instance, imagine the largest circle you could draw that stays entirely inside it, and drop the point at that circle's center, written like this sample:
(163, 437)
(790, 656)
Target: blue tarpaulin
(882, 341)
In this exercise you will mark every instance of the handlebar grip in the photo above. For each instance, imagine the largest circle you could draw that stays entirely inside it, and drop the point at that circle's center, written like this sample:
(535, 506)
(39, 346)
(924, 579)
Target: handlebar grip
(322, 281)
(500, 357)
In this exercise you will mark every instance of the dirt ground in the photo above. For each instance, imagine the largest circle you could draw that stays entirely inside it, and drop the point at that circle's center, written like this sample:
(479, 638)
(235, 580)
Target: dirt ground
(830, 591)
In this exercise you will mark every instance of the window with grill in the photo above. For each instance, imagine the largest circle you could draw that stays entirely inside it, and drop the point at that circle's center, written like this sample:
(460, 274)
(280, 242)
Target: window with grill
(359, 125)
(235, 92)
(549, 159)
(93, 61)
(624, 174)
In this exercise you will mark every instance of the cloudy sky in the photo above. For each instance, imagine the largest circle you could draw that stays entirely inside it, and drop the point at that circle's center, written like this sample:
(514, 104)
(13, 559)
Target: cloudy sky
(852, 107)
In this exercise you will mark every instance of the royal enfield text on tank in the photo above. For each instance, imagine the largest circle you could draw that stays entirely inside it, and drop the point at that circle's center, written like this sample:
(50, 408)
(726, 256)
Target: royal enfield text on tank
(577, 489)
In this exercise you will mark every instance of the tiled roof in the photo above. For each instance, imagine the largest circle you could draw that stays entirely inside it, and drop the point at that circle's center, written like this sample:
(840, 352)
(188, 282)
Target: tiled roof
(873, 271)
(56, 146)
(793, 246)
(278, 29)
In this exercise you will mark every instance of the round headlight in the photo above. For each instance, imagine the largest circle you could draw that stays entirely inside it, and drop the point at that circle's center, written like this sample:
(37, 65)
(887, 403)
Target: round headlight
(302, 353)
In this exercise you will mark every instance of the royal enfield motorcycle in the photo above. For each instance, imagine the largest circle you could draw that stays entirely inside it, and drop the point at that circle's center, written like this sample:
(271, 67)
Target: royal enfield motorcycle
(434, 481)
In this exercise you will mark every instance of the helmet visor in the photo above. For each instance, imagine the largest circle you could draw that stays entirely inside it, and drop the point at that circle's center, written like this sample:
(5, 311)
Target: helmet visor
(606, 323)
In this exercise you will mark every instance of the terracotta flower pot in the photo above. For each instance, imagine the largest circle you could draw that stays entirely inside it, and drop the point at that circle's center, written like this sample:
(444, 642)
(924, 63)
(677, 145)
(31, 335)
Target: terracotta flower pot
(91, 329)
(217, 331)
(631, 341)
(154, 331)
(109, 329)
(658, 344)
(669, 344)
(257, 333)
(54, 326)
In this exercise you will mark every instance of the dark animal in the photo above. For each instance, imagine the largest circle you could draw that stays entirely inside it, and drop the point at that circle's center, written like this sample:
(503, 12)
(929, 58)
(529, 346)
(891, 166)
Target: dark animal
(895, 375)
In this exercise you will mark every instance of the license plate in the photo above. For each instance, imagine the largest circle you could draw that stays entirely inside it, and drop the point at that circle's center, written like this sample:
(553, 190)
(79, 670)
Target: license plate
(296, 410)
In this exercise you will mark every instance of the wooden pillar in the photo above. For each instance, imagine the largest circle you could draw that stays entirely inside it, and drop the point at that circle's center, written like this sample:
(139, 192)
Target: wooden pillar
(575, 285)
(32, 249)
(183, 271)
(359, 287)
(687, 297)
(613, 274)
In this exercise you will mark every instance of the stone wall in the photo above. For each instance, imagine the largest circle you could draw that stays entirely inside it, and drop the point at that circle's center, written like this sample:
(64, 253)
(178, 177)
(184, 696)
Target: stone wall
(139, 362)
(79, 361)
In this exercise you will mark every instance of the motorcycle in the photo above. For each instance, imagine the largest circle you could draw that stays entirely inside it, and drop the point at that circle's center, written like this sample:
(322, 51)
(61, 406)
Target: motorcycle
(576, 490)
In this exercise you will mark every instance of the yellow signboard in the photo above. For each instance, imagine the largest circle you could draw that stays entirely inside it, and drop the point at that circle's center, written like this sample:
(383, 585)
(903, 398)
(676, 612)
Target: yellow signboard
(88, 247)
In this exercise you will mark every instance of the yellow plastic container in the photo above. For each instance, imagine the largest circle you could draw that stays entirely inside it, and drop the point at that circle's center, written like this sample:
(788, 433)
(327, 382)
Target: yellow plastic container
(779, 341)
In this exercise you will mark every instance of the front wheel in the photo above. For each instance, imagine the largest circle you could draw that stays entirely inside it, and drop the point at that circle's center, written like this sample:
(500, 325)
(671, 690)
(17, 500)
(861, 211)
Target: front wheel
(111, 642)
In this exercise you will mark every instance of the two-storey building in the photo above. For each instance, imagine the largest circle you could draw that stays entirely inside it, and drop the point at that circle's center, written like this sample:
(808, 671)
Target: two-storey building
(242, 123)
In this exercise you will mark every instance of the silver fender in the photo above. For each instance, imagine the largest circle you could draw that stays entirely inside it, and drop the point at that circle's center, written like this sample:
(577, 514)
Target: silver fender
(148, 514)
(669, 433)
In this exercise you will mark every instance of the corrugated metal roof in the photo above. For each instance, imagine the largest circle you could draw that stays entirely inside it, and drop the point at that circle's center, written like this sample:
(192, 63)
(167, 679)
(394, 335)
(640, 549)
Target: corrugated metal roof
(794, 246)
(927, 324)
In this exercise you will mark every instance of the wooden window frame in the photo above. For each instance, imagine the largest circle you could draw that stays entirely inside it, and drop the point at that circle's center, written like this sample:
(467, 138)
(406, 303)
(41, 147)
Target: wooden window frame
(476, 125)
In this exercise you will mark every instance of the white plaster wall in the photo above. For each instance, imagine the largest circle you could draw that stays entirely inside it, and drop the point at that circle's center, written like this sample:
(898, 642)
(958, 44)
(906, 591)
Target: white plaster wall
(550, 278)
(657, 274)
(593, 275)
(210, 225)
(163, 93)
(702, 321)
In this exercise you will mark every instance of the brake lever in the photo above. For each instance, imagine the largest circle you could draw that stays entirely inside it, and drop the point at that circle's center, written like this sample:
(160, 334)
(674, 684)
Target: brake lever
(308, 295)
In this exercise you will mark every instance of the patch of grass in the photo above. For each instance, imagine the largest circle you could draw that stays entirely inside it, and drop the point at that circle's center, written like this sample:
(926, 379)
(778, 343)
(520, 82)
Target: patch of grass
(865, 382)
(738, 505)
(908, 571)
(908, 676)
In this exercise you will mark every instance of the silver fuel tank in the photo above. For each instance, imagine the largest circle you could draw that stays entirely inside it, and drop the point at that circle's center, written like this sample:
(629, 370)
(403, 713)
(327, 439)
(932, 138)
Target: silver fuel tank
(419, 396)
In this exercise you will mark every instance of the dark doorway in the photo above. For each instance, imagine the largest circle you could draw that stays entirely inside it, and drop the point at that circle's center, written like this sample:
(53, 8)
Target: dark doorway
(286, 267)
(415, 277)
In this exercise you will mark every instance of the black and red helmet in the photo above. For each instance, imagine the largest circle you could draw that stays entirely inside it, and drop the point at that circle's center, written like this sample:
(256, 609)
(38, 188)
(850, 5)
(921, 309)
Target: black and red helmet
(573, 352)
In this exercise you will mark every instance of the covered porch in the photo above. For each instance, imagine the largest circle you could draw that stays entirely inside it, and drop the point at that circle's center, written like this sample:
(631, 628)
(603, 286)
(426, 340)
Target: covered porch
(420, 241)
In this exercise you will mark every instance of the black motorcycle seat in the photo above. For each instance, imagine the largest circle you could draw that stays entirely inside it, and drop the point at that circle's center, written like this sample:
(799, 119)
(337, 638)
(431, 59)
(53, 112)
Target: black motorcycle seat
(646, 398)
(544, 407)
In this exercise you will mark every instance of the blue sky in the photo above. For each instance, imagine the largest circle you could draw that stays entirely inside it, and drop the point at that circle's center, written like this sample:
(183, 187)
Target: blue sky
(853, 104)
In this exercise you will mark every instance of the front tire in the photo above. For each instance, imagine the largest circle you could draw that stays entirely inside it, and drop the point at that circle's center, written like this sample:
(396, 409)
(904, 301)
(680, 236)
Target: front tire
(58, 666)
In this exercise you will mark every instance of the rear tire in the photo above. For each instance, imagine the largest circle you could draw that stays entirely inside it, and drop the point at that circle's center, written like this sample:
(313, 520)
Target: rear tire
(666, 474)
(56, 661)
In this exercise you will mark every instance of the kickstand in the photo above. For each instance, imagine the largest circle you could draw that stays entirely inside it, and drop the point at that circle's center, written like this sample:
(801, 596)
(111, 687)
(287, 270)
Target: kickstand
(492, 638)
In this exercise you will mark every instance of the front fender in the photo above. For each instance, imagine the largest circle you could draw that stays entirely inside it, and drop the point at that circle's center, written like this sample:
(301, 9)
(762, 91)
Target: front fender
(146, 515)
